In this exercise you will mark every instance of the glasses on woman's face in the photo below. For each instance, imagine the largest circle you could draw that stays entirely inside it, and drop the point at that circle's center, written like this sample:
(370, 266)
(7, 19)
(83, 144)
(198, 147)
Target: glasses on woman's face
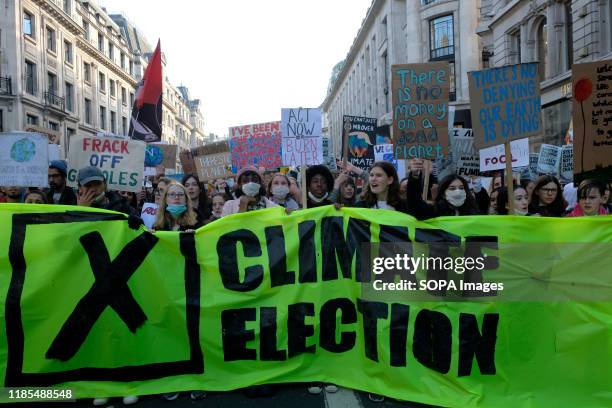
(549, 190)
(176, 195)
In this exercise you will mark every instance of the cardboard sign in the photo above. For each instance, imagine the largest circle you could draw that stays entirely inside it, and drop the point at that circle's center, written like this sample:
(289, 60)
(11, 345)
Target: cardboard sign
(420, 110)
(384, 152)
(121, 160)
(158, 154)
(255, 145)
(328, 159)
(463, 158)
(302, 136)
(494, 158)
(361, 138)
(216, 163)
(53, 136)
(187, 162)
(505, 104)
(24, 159)
(566, 168)
(592, 115)
(549, 159)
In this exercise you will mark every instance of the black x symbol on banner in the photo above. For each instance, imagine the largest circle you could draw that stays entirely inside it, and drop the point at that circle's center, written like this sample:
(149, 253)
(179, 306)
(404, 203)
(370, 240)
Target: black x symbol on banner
(109, 289)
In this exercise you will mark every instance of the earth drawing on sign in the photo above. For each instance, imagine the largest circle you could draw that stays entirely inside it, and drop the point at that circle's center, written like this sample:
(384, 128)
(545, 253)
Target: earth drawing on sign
(154, 156)
(23, 150)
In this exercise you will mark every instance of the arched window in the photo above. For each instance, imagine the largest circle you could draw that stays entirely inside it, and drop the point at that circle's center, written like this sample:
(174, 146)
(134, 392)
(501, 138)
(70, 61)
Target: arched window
(542, 48)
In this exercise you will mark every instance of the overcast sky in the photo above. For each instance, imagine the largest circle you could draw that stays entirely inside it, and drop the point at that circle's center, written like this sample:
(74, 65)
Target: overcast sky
(247, 59)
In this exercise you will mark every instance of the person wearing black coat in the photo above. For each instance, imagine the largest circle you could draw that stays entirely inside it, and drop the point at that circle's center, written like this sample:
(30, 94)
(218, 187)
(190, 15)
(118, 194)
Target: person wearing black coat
(319, 183)
(59, 192)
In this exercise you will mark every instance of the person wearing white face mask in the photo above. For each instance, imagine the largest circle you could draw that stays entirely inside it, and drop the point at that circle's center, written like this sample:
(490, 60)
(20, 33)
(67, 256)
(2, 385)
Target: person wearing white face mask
(250, 193)
(454, 196)
(279, 192)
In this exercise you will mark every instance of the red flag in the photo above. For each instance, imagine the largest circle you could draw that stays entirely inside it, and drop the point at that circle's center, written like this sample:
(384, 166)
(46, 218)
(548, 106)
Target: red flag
(146, 123)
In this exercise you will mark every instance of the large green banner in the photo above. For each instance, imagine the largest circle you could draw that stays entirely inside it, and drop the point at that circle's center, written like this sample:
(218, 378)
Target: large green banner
(265, 297)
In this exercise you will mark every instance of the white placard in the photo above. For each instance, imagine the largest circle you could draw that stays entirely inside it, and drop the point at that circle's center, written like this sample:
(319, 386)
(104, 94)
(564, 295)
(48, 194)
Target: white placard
(384, 152)
(549, 159)
(148, 214)
(24, 159)
(566, 168)
(121, 160)
(302, 136)
(494, 158)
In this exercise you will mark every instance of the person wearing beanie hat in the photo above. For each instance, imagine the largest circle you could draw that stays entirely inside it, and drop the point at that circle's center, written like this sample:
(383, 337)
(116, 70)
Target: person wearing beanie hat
(319, 183)
(251, 193)
(59, 192)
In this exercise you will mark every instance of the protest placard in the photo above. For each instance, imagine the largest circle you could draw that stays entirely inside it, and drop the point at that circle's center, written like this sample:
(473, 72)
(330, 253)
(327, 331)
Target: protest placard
(420, 110)
(505, 104)
(361, 138)
(328, 159)
(549, 159)
(302, 136)
(54, 152)
(384, 152)
(187, 161)
(533, 165)
(121, 160)
(494, 158)
(158, 154)
(24, 159)
(462, 158)
(213, 161)
(592, 116)
(566, 168)
(256, 145)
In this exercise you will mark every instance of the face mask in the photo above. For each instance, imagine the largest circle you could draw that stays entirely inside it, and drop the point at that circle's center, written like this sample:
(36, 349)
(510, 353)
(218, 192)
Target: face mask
(176, 210)
(518, 211)
(316, 199)
(230, 183)
(456, 198)
(280, 191)
(251, 189)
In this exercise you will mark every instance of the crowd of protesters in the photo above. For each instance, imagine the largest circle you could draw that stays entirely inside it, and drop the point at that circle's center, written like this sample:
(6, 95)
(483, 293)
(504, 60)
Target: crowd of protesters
(165, 204)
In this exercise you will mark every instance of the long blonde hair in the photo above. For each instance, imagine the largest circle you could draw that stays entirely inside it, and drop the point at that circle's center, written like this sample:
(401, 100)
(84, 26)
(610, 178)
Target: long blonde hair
(164, 219)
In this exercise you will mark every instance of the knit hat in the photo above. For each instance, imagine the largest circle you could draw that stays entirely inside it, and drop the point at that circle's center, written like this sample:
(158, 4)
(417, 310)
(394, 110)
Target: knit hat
(60, 166)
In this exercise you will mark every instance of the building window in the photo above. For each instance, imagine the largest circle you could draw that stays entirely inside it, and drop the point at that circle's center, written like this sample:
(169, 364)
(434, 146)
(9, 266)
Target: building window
(441, 38)
(124, 126)
(69, 97)
(100, 42)
(68, 56)
(87, 111)
(30, 77)
(569, 35)
(113, 119)
(51, 46)
(515, 47)
(52, 83)
(123, 96)
(452, 96)
(87, 72)
(54, 126)
(86, 28)
(102, 82)
(131, 67)
(102, 117)
(32, 120)
(131, 99)
(113, 91)
(28, 24)
(111, 50)
(67, 7)
(1, 120)
(542, 49)
(122, 58)
(69, 133)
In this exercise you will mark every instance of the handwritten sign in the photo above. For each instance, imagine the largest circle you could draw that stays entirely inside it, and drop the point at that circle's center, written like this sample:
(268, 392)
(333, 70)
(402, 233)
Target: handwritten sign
(302, 136)
(121, 160)
(463, 157)
(328, 159)
(361, 137)
(213, 161)
(158, 154)
(24, 159)
(505, 104)
(549, 159)
(494, 158)
(592, 114)
(566, 168)
(384, 152)
(420, 110)
(255, 145)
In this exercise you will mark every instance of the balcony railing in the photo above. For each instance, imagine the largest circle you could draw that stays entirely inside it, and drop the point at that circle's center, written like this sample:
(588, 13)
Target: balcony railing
(6, 86)
(52, 99)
